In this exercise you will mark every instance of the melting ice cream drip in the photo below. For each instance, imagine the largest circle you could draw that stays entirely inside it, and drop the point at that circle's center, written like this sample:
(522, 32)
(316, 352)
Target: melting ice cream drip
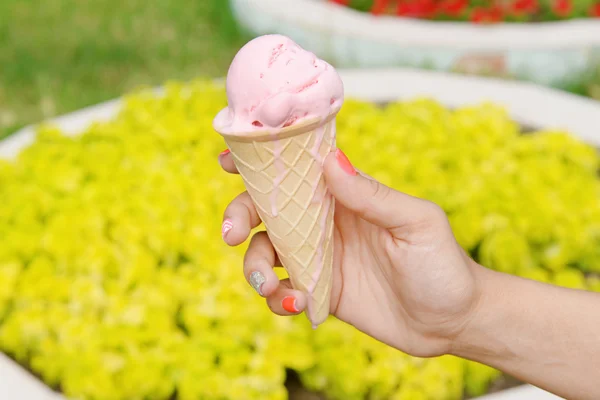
(320, 256)
(280, 166)
(327, 201)
(317, 197)
(317, 146)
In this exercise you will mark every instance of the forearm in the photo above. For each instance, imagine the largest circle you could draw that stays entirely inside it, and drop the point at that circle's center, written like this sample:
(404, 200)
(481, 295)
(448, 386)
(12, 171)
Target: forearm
(545, 335)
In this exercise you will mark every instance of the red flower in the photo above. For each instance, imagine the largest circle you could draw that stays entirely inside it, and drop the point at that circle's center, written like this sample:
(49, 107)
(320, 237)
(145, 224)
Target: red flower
(478, 15)
(416, 8)
(521, 7)
(562, 8)
(595, 10)
(482, 15)
(379, 6)
(452, 7)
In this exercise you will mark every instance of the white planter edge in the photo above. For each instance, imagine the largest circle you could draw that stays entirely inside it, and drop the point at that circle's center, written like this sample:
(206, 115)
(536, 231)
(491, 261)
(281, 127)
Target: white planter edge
(533, 105)
(18, 384)
(551, 53)
(322, 16)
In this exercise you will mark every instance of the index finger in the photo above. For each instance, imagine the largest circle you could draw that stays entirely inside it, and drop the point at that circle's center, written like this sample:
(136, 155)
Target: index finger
(226, 162)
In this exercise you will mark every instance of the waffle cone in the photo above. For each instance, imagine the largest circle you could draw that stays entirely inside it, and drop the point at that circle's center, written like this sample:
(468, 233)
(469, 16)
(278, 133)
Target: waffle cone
(284, 177)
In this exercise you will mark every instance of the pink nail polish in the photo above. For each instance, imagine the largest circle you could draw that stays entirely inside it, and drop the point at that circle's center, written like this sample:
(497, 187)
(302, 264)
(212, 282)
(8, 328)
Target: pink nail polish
(344, 163)
(289, 304)
(226, 227)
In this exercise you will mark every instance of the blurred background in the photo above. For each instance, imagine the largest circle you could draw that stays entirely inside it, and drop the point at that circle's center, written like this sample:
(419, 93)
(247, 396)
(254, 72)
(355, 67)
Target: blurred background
(114, 281)
(61, 55)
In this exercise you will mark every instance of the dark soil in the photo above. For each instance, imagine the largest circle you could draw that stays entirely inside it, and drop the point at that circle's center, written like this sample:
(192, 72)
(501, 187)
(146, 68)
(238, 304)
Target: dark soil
(503, 383)
(298, 392)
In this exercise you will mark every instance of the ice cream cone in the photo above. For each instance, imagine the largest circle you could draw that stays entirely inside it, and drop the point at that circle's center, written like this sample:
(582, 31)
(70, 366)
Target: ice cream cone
(283, 174)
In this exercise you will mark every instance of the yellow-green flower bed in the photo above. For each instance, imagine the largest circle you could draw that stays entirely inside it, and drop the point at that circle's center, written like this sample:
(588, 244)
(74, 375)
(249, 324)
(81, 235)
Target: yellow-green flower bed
(115, 284)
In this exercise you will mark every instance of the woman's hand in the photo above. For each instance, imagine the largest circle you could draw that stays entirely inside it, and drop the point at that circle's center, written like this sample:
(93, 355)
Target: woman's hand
(398, 273)
(400, 276)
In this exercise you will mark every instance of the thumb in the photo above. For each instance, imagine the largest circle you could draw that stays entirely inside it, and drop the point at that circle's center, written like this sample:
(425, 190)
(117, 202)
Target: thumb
(370, 199)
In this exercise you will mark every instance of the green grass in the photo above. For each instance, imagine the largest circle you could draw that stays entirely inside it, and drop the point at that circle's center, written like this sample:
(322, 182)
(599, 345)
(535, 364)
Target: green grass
(60, 55)
(586, 85)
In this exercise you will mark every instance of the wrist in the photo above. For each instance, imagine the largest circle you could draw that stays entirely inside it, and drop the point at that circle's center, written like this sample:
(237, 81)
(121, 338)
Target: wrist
(476, 340)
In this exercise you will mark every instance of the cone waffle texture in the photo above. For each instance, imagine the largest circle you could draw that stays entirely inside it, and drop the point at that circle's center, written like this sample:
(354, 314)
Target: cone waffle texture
(284, 177)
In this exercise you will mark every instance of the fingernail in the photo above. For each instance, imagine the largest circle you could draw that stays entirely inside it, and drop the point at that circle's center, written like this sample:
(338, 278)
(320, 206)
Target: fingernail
(344, 163)
(256, 281)
(223, 153)
(226, 227)
(289, 304)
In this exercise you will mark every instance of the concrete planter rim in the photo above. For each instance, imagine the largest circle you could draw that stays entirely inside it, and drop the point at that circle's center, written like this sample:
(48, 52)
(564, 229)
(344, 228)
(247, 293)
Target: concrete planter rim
(323, 16)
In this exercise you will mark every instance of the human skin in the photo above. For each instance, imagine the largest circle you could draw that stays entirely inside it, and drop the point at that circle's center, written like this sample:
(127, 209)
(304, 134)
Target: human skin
(401, 277)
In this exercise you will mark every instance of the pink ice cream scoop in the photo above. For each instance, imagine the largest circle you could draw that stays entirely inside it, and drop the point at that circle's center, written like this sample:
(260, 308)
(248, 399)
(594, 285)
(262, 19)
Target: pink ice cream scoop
(273, 83)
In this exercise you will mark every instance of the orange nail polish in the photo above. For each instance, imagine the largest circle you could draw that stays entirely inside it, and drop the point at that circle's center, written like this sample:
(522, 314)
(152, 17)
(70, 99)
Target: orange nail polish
(289, 304)
(224, 153)
(344, 163)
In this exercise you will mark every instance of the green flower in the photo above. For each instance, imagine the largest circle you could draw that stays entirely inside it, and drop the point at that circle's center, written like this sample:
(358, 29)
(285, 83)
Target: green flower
(506, 251)
(570, 278)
